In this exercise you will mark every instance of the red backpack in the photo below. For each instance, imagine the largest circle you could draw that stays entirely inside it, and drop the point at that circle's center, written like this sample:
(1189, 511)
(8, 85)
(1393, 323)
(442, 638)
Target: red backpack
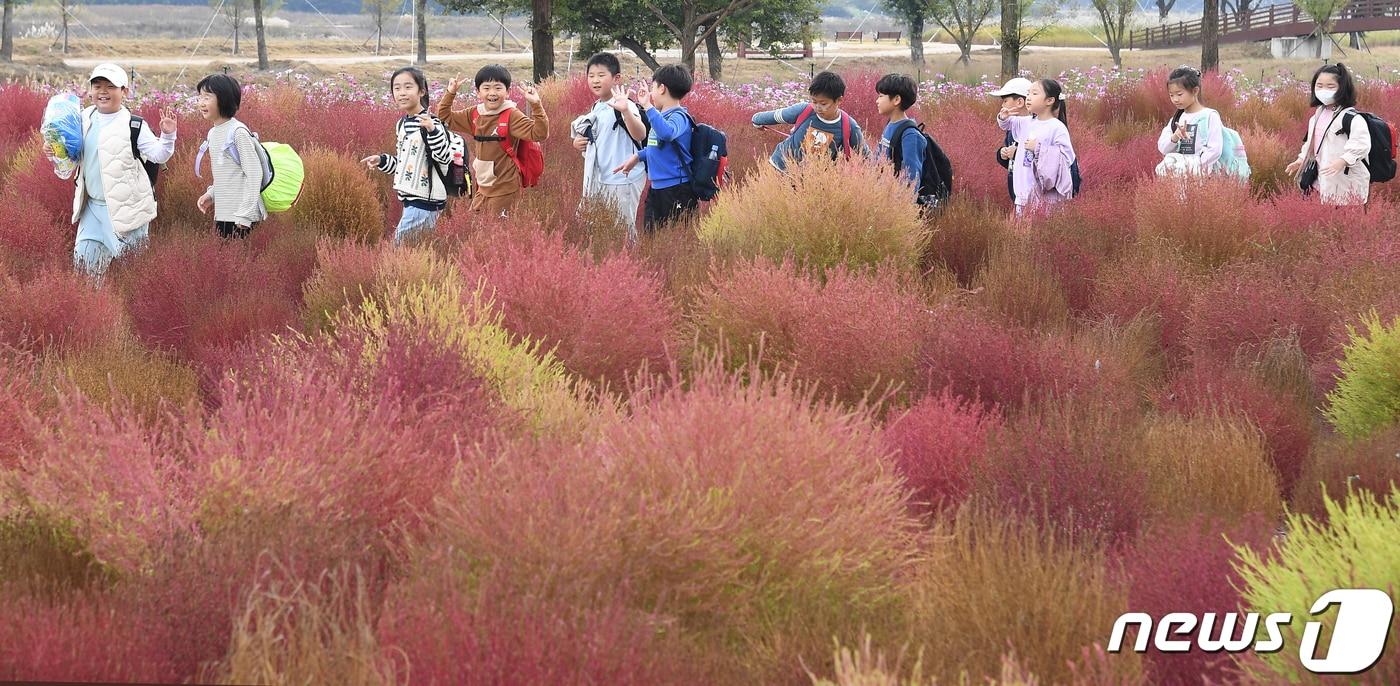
(527, 155)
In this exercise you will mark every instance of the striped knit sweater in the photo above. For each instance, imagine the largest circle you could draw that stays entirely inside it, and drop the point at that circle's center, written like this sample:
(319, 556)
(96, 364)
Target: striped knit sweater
(410, 164)
(237, 188)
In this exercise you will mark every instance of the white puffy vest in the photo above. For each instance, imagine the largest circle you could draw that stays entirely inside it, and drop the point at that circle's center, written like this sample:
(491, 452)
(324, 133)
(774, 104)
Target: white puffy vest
(130, 201)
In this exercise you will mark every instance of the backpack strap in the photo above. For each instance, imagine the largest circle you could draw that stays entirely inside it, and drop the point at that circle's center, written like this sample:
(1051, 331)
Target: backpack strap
(801, 117)
(846, 134)
(897, 141)
(1347, 116)
(136, 123)
(1177, 117)
(677, 143)
(432, 164)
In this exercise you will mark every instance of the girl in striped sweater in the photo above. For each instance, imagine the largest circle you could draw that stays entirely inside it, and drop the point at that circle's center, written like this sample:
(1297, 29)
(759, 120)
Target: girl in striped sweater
(236, 196)
(421, 158)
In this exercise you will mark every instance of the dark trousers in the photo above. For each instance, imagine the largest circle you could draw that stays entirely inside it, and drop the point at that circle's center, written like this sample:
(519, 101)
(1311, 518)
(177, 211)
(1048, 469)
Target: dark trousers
(666, 205)
(232, 230)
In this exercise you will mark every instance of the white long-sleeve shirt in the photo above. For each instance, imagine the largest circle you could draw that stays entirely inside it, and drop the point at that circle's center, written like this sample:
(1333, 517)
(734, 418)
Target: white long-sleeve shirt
(1354, 186)
(1207, 143)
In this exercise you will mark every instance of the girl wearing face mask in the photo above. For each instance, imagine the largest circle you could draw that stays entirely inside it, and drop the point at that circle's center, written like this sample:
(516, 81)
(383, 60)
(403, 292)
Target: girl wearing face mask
(1331, 162)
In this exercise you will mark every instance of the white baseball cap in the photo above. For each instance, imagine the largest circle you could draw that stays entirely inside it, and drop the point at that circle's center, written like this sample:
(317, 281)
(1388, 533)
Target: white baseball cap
(111, 72)
(1016, 86)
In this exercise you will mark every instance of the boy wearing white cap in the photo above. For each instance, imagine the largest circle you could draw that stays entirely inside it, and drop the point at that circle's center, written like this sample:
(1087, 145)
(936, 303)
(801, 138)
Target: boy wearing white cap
(115, 201)
(1014, 94)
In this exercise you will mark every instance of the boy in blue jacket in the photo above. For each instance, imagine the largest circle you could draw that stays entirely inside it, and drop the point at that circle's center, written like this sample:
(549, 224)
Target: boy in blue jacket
(819, 127)
(897, 93)
(667, 152)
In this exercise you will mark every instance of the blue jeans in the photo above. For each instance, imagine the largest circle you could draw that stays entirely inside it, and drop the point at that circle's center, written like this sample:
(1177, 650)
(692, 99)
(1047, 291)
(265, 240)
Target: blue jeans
(414, 221)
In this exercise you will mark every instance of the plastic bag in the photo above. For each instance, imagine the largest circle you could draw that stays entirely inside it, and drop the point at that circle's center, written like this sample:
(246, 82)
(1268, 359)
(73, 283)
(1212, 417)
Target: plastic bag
(62, 129)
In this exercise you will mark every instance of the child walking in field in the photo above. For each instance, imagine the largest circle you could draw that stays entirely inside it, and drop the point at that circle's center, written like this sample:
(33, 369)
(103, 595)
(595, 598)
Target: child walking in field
(819, 127)
(896, 94)
(667, 152)
(115, 200)
(610, 133)
(1332, 159)
(236, 193)
(494, 129)
(1194, 140)
(422, 153)
(1013, 98)
(1040, 169)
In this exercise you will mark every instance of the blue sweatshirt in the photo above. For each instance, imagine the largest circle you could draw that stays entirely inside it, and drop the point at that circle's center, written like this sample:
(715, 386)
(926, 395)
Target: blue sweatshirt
(813, 134)
(912, 150)
(667, 153)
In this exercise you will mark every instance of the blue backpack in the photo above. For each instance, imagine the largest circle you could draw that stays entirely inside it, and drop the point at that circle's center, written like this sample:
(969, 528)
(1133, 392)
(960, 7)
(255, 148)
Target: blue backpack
(1233, 162)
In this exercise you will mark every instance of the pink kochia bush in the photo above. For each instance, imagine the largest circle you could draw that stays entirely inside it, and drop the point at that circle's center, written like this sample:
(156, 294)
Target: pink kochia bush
(605, 320)
(58, 310)
(937, 444)
(1190, 566)
(822, 331)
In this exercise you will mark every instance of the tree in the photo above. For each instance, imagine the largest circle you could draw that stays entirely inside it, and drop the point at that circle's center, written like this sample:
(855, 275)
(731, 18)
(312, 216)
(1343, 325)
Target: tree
(379, 11)
(962, 19)
(768, 23)
(1022, 22)
(686, 20)
(262, 36)
(1324, 12)
(65, 10)
(420, 30)
(7, 38)
(1116, 17)
(542, 38)
(1210, 36)
(1164, 7)
(913, 12)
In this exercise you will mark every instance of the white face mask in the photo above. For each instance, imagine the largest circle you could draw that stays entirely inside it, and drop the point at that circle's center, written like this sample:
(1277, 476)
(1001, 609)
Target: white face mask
(1325, 96)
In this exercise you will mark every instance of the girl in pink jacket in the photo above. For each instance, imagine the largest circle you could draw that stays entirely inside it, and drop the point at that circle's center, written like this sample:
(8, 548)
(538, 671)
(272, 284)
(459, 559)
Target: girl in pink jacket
(1040, 173)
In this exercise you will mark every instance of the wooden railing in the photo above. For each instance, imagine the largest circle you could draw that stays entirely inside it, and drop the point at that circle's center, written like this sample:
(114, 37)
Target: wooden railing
(1272, 21)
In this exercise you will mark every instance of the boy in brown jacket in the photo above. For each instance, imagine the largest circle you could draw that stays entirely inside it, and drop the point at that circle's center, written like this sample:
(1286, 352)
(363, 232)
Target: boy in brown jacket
(498, 178)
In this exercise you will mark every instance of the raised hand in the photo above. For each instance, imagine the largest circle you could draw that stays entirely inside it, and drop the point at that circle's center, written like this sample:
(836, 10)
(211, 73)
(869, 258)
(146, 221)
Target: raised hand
(532, 94)
(455, 84)
(167, 121)
(425, 120)
(644, 98)
(619, 100)
(1006, 112)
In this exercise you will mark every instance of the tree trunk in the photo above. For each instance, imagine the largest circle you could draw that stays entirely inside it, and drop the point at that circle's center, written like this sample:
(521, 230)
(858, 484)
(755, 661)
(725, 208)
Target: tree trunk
(688, 46)
(7, 42)
(420, 29)
(916, 38)
(262, 36)
(1210, 36)
(1117, 54)
(1010, 39)
(64, 8)
(965, 51)
(237, 24)
(542, 38)
(641, 52)
(716, 57)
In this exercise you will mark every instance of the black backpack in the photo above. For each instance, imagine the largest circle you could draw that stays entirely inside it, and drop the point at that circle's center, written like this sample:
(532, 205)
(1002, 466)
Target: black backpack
(646, 124)
(936, 182)
(709, 159)
(456, 181)
(152, 169)
(1381, 161)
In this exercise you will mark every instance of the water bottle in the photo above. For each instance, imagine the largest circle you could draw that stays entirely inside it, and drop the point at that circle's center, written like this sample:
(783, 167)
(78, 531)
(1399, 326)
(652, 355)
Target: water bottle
(714, 153)
(458, 171)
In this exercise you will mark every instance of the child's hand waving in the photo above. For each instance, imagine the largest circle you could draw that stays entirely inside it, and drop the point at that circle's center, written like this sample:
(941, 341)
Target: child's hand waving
(644, 98)
(455, 84)
(619, 100)
(167, 121)
(1006, 112)
(532, 94)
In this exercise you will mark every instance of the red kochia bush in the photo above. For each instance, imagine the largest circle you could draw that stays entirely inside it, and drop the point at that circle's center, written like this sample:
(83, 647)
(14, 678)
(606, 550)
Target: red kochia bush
(201, 296)
(58, 310)
(1189, 567)
(32, 178)
(936, 445)
(30, 239)
(1284, 421)
(90, 638)
(21, 110)
(1245, 306)
(604, 320)
(1072, 464)
(980, 358)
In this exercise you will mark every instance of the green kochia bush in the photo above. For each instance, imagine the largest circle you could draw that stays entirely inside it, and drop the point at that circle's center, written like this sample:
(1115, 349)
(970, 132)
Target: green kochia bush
(1355, 548)
(1367, 396)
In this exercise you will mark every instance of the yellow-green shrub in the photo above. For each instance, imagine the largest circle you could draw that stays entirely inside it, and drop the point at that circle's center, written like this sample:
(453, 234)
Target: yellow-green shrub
(1367, 396)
